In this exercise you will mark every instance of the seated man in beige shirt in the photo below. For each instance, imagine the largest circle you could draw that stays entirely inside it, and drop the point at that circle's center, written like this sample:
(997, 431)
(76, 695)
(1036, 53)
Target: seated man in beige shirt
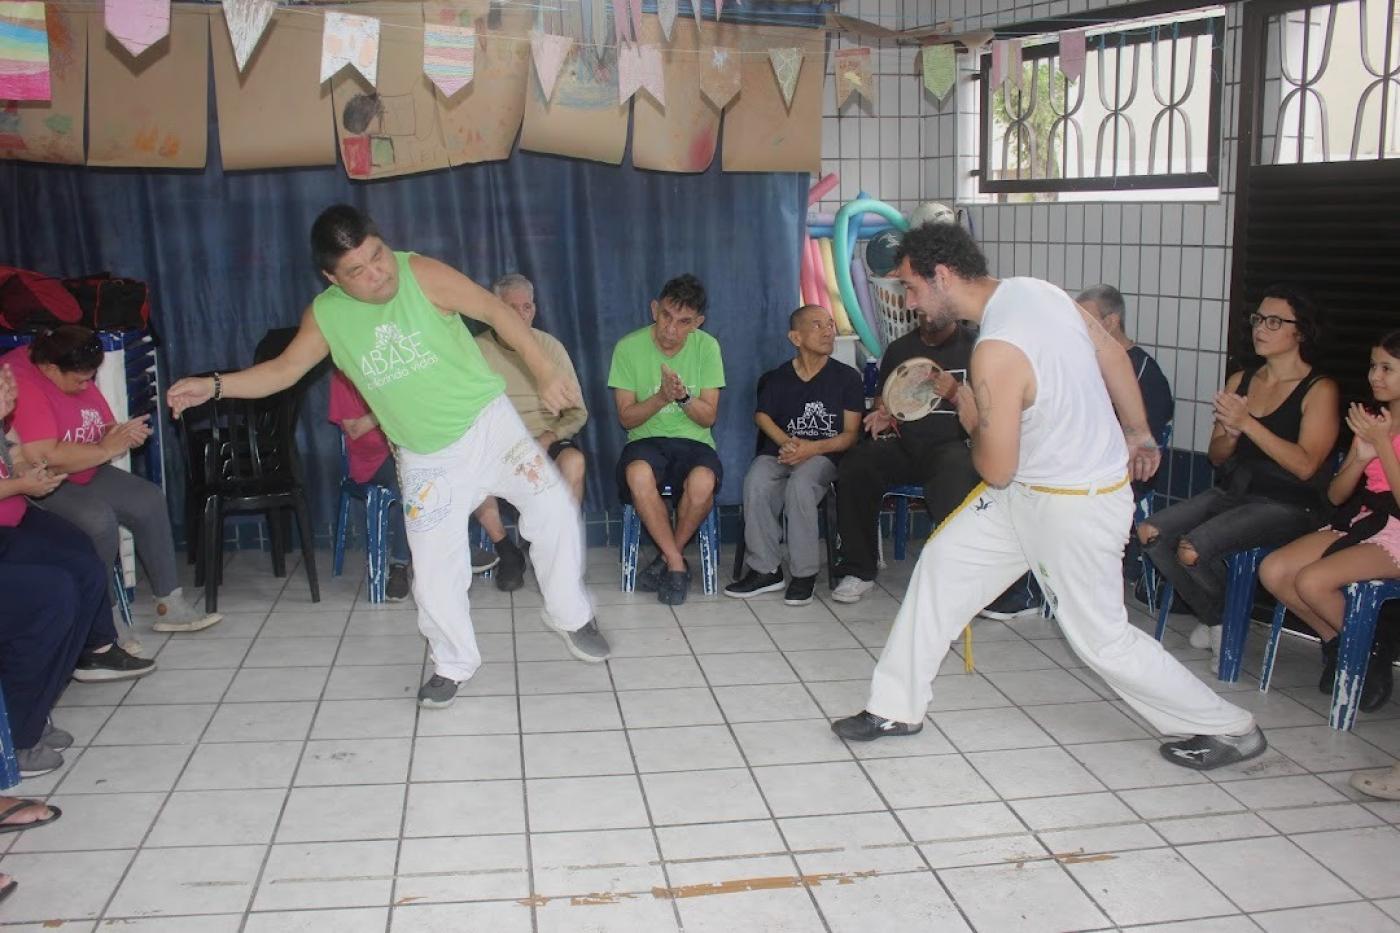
(555, 433)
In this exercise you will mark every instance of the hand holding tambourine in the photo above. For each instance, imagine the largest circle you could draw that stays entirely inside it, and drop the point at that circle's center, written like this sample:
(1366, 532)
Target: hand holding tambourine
(917, 387)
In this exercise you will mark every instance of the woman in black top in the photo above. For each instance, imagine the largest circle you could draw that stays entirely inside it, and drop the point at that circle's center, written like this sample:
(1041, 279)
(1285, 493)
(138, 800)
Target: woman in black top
(1275, 425)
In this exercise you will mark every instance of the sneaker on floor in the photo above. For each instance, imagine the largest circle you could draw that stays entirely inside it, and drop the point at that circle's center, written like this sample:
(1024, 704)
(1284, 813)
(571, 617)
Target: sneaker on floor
(437, 693)
(865, 726)
(650, 578)
(116, 663)
(1328, 676)
(37, 760)
(1200, 637)
(510, 572)
(1206, 752)
(399, 584)
(1021, 599)
(752, 583)
(675, 587)
(586, 643)
(799, 591)
(851, 589)
(483, 560)
(55, 738)
(175, 614)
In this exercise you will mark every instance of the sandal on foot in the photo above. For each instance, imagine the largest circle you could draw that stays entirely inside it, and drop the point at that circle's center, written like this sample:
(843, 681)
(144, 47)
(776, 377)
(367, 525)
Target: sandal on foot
(1383, 784)
(19, 805)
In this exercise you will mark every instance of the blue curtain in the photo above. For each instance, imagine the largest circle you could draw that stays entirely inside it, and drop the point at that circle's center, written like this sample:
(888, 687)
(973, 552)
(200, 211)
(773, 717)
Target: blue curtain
(227, 257)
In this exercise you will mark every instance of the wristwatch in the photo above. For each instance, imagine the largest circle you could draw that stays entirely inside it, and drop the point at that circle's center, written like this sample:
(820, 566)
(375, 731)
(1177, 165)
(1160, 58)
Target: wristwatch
(683, 400)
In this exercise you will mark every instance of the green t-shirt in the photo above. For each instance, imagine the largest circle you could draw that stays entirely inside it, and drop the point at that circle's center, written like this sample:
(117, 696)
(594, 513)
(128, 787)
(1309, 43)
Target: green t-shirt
(418, 369)
(636, 366)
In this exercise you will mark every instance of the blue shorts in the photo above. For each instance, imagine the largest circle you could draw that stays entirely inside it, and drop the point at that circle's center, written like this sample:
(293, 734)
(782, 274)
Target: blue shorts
(671, 459)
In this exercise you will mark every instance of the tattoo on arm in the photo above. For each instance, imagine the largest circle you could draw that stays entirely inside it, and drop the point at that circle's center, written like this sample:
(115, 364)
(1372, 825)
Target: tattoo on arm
(982, 394)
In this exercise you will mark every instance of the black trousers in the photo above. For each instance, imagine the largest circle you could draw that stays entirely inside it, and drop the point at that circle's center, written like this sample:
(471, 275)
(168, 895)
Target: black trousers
(867, 470)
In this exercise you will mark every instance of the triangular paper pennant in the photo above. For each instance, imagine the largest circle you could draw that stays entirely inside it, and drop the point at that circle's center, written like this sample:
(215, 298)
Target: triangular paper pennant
(787, 63)
(639, 67)
(720, 75)
(666, 10)
(635, 9)
(449, 56)
(597, 47)
(697, 9)
(853, 74)
(1006, 63)
(24, 53)
(622, 21)
(1072, 53)
(940, 69)
(549, 53)
(247, 21)
(137, 24)
(719, 8)
(352, 40)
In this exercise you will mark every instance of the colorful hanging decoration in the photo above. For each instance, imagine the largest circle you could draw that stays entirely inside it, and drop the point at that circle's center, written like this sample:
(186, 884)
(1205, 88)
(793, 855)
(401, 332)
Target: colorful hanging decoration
(24, 51)
(639, 68)
(940, 69)
(1072, 53)
(549, 53)
(137, 24)
(449, 56)
(853, 74)
(351, 40)
(787, 63)
(720, 75)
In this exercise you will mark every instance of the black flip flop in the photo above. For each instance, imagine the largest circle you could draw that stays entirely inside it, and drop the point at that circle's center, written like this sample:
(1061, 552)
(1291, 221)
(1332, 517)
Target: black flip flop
(8, 889)
(19, 805)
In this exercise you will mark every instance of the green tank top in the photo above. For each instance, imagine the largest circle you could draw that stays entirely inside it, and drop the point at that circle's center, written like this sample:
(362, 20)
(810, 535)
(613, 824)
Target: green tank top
(418, 369)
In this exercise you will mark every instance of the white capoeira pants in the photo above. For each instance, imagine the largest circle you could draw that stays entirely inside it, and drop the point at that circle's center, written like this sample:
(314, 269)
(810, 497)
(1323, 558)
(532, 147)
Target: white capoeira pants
(496, 457)
(1073, 543)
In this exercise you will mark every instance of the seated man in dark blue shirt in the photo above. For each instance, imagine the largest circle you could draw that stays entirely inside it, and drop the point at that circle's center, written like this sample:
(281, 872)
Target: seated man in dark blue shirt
(1105, 303)
(809, 411)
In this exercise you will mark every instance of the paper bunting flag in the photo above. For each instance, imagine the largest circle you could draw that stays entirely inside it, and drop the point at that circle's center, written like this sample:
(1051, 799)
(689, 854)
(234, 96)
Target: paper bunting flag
(635, 10)
(786, 65)
(940, 69)
(1072, 53)
(449, 56)
(352, 40)
(639, 67)
(697, 10)
(853, 74)
(1006, 63)
(247, 21)
(622, 21)
(719, 75)
(24, 52)
(549, 53)
(666, 10)
(137, 24)
(719, 8)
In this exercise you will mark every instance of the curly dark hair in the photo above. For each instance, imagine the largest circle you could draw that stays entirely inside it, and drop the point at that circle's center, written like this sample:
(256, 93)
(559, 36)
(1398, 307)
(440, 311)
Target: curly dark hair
(685, 291)
(338, 230)
(71, 347)
(941, 244)
(1306, 310)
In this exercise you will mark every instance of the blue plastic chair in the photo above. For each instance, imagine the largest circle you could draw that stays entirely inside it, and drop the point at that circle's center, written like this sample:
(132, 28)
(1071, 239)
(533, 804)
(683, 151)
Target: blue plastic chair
(378, 501)
(1144, 510)
(708, 535)
(123, 597)
(9, 765)
(1239, 600)
(1363, 610)
(902, 496)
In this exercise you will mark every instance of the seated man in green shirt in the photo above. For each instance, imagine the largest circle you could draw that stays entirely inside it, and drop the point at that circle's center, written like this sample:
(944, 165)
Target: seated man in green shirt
(666, 379)
(390, 322)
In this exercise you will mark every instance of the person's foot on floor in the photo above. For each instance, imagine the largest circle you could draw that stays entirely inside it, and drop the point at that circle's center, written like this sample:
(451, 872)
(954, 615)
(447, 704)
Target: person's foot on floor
(510, 572)
(55, 738)
(1207, 752)
(587, 643)
(111, 663)
(1020, 600)
(650, 578)
(37, 760)
(1217, 639)
(752, 583)
(851, 589)
(399, 584)
(1380, 679)
(799, 591)
(18, 814)
(865, 726)
(438, 692)
(484, 560)
(1200, 637)
(1384, 784)
(674, 587)
(175, 614)
(1328, 677)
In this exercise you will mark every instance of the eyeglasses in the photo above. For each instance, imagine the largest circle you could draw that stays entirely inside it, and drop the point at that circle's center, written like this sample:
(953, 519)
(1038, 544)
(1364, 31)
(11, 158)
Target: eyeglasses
(1270, 321)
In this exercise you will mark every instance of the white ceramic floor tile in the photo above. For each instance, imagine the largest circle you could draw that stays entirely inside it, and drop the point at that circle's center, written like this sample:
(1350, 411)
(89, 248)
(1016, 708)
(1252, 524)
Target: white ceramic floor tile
(1364, 858)
(640, 915)
(180, 686)
(462, 868)
(328, 874)
(681, 707)
(349, 761)
(1034, 772)
(1176, 891)
(1028, 897)
(782, 910)
(559, 804)
(1356, 917)
(904, 903)
(792, 742)
(155, 725)
(91, 821)
(359, 920)
(928, 781)
(217, 818)
(235, 765)
(211, 879)
(465, 809)
(655, 673)
(703, 796)
(47, 891)
(270, 684)
(1074, 723)
(364, 719)
(983, 730)
(1266, 874)
(260, 722)
(766, 703)
(623, 861)
(373, 682)
(121, 769)
(817, 789)
(755, 667)
(466, 758)
(575, 754)
(332, 814)
(583, 711)
(496, 916)
(1124, 765)
(683, 748)
(854, 843)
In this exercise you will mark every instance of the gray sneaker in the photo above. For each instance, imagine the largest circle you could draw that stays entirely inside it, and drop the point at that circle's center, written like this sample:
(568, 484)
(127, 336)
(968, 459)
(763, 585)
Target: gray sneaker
(55, 738)
(437, 693)
(37, 760)
(586, 644)
(175, 614)
(1206, 752)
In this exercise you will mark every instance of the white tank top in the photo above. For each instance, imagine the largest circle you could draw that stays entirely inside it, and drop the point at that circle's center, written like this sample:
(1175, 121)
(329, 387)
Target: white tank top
(1070, 436)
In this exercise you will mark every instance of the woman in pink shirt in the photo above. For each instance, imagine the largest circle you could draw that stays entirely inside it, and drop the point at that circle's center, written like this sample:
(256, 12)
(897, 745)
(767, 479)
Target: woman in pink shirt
(63, 420)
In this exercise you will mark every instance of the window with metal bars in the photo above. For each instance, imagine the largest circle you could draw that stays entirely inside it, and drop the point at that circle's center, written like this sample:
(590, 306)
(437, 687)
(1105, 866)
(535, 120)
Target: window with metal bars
(1145, 113)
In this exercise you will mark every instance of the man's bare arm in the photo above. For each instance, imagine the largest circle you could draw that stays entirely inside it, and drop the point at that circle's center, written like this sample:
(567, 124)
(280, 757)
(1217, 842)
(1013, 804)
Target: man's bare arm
(307, 348)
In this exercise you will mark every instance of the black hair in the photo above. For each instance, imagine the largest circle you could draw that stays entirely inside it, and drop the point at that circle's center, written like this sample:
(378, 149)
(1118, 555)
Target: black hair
(338, 230)
(1307, 313)
(71, 347)
(1390, 343)
(941, 244)
(796, 316)
(685, 291)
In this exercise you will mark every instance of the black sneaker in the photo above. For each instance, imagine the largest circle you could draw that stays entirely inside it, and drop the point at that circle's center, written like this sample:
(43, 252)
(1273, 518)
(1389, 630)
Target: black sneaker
(865, 726)
(1329, 666)
(483, 560)
(649, 580)
(116, 663)
(1022, 599)
(437, 693)
(752, 583)
(399, 584)
(799, 591)
(1380, 679)
(675, 587)
(510, 572)
(1206, 752)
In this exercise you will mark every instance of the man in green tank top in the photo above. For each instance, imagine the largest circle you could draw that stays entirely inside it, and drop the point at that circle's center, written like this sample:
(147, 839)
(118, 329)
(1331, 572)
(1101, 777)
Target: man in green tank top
(390, 322)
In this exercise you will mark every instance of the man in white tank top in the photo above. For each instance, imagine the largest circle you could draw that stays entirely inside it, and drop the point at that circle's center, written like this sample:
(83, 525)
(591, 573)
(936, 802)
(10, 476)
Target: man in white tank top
(1055, 499)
